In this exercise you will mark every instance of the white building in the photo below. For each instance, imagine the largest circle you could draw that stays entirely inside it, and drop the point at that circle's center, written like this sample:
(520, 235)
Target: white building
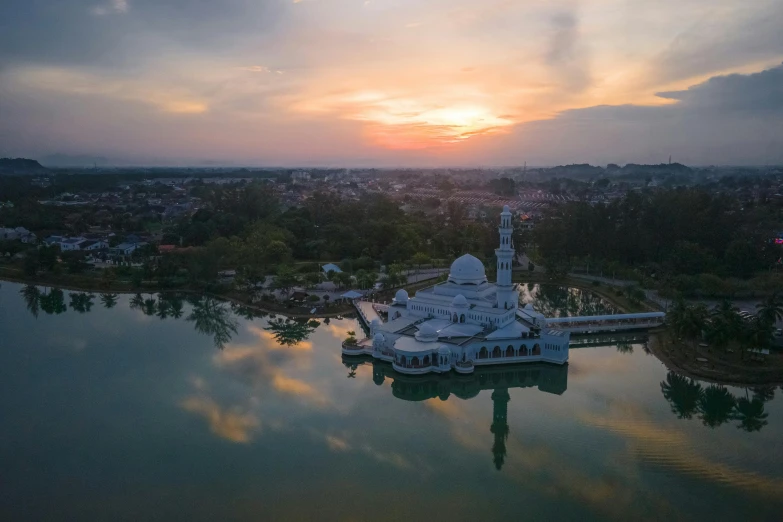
(465, 321)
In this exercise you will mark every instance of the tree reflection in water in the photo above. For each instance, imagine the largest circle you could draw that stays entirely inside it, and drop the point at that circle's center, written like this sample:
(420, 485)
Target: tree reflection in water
(212, 317)
(683, 394)
(81, 302)
(109, 301)
(288, 332)
(563, 301)
(32, 298)
(52, 301)
(715, 404)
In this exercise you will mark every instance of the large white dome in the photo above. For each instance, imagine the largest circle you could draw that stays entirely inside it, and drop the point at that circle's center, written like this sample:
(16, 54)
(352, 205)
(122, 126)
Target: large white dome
(467, 270)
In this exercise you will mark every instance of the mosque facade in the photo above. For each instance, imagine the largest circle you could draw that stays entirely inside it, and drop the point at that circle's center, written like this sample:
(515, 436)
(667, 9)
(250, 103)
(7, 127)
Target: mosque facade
(465, 322)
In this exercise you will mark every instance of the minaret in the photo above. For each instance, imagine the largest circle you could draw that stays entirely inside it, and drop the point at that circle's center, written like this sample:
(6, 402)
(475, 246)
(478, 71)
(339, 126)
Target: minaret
(499, 428)
(506, 297)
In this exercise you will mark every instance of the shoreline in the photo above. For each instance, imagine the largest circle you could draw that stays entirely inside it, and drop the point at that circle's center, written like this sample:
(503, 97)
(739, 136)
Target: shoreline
(721, 372)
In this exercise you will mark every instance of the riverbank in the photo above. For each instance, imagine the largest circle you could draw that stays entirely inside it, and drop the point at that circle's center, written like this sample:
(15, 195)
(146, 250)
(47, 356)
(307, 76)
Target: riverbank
(716, 366)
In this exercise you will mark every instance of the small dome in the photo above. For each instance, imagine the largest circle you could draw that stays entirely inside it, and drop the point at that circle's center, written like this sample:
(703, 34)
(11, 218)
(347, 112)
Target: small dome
(467, 270)
(426, 333)
(506, 210)
(444, 350)
(401, 297)
(459, 301)
(379, 338)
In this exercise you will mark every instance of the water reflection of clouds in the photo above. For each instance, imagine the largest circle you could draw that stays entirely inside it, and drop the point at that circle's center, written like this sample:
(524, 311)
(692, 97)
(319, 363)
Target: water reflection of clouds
(232, 424)
(673, 449)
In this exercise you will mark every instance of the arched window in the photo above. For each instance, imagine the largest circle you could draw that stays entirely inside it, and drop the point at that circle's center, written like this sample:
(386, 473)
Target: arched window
(462, 318)
(402, 360)
(454, 318)
(536, 349)
(510, 351)
(523, 350)
(496, 352)
(415, 361)
(426, 361)
(483, 353)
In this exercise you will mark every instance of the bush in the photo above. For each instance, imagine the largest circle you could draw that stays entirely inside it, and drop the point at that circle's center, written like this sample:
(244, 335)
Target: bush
(596, 283)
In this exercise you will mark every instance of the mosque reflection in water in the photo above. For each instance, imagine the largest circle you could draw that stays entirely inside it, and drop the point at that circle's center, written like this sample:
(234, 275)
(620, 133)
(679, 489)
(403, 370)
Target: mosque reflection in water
(548, 378)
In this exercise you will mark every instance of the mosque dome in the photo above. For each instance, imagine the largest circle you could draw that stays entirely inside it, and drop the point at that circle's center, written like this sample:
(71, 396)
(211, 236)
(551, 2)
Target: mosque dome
(506, 210)
(401, 297)
(459, 301)
(467, 270)
(426, 333)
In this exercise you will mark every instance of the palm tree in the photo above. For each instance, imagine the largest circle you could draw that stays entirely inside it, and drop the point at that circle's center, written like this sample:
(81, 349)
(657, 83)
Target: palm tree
(724, 324)
(684, 394)
(771, 309)
(694, 321)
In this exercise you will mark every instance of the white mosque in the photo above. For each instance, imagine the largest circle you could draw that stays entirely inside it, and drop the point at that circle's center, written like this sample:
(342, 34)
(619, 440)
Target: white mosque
(464, 322)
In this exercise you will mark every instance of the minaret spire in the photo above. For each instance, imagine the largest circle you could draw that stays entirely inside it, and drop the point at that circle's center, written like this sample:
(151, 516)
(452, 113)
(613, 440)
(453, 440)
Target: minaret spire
(505, 256)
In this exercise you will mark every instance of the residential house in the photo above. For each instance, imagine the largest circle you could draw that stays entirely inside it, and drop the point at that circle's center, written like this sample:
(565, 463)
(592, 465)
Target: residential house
(124, 249)
(8, 234)
(72, 243)
(95, 244)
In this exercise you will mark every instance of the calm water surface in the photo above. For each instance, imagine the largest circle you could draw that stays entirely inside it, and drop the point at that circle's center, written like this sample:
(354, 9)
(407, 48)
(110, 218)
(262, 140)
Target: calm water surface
(147, 408)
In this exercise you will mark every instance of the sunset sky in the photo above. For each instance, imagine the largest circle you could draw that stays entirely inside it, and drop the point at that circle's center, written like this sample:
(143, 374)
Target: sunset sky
(393, 82)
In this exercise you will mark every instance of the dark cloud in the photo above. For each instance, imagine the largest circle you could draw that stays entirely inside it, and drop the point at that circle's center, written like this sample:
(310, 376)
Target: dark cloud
(754, 93)
(566, 54)
(733, 119)
(69, 33)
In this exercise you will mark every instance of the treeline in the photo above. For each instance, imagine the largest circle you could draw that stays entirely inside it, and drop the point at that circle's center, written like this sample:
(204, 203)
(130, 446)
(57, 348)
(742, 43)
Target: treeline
(249, 226)
(666, 235)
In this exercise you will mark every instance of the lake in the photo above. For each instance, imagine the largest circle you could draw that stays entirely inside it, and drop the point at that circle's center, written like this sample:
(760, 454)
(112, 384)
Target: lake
(163, 408)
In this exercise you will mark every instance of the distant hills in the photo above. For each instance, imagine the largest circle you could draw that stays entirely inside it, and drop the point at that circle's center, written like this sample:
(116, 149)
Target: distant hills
(20, 166)
(74, 160)
(586, 171)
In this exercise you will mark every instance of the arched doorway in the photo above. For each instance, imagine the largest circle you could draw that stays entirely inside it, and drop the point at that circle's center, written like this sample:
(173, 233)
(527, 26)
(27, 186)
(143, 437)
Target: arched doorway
(496, 352)
(483, 353)
(415, 362)
(510, 351)
(523, 350)
(403, 360)
(462, 318)
(426, 361)
(536, 349)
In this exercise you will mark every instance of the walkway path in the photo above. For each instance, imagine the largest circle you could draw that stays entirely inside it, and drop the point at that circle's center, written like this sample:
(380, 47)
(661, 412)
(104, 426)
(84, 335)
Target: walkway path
(366, 311)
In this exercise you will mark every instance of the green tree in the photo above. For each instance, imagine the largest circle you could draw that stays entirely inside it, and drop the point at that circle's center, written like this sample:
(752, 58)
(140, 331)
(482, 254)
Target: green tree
(285, 279)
